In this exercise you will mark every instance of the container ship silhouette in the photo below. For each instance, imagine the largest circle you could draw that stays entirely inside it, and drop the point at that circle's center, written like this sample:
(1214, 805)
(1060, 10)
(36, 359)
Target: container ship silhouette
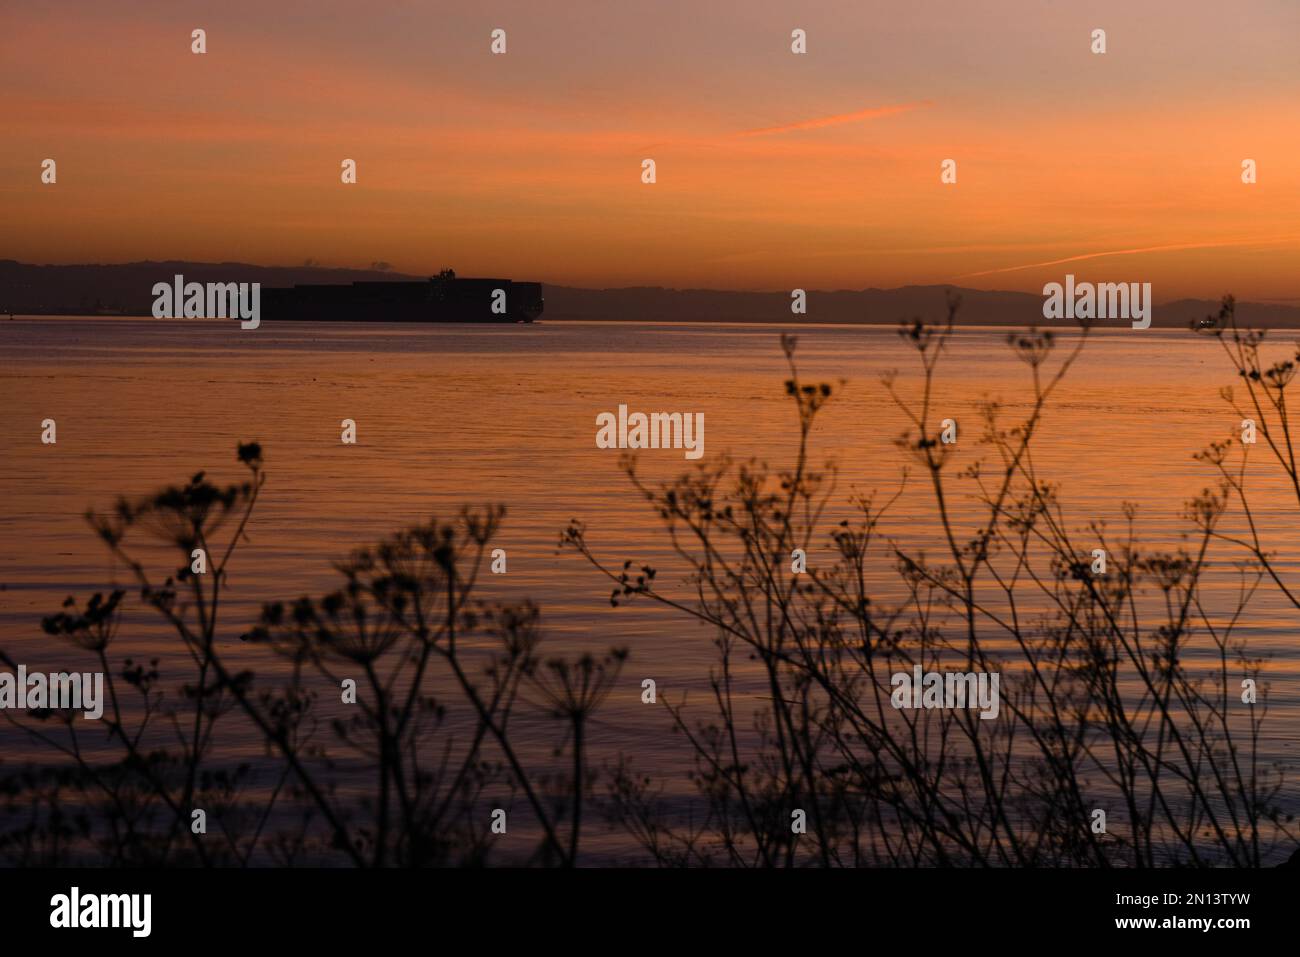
(442, 298)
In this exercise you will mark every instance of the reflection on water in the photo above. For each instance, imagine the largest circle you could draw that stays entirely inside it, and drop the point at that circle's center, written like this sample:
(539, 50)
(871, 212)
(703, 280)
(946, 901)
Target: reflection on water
(449, 415)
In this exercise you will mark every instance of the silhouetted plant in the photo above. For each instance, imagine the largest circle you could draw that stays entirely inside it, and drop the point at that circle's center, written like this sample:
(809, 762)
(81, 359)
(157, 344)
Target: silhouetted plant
(1099, 708)
(404, 610)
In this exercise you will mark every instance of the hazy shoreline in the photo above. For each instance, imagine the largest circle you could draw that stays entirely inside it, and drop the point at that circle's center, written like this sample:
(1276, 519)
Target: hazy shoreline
(124, 290)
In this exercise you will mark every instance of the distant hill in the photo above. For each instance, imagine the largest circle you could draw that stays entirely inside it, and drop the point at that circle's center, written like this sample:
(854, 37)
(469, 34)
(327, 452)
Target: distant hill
(127, 289)
(887, 306)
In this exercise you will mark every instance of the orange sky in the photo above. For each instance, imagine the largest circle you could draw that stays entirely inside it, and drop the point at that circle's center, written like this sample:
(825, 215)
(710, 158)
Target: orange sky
(774, 170)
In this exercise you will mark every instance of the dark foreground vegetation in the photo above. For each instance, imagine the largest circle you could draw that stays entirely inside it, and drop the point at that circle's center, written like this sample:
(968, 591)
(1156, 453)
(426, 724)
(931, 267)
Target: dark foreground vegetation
(1127, 691)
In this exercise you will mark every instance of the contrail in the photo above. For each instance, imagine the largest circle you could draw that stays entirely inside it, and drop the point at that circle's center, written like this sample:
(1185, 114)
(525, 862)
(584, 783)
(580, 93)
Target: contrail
(1131, 252)
(869, 114)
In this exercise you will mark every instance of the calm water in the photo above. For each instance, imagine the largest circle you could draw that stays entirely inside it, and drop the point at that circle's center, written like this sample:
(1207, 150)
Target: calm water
(448, 415)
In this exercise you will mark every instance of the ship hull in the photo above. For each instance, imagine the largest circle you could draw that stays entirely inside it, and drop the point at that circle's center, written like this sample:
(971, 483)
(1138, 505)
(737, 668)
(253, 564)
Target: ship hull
(437, 300)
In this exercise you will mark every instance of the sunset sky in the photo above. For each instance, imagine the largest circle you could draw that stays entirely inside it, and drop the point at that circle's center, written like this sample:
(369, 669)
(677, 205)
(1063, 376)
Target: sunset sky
(774, 170)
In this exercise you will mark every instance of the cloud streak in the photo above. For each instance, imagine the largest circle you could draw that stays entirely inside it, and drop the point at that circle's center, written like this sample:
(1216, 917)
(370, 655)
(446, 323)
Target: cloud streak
(1132, 252)
(873, 113)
